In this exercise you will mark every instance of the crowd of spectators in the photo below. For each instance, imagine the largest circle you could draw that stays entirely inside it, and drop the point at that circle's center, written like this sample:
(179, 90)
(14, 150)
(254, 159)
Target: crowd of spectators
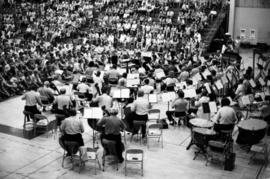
(44, 38)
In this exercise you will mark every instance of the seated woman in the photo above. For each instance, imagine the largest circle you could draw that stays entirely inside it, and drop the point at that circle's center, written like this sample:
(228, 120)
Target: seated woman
(72, 129)
(181, 107)
(113, 125)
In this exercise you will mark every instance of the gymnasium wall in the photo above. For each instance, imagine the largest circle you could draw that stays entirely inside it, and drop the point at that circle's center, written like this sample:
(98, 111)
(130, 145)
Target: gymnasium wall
(257, 19)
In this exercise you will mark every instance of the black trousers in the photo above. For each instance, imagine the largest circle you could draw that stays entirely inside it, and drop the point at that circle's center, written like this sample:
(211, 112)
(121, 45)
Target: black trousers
(177, 114)
(73, 137)
(143, 118)
(119, 144)
(32, 109)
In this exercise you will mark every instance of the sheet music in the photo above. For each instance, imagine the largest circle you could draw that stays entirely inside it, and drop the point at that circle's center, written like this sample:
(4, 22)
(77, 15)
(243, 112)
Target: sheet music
(262, 82)
(213, 106)
(160, 75)
(117, 93)
(93, 113)
(252, 83)
(219, 84)
(87, 113)
(133, 82)
(153, 98)
(245, 100)
(125, 93)
(169, 96)
(190, 93)
(133, 76)
(97, 113)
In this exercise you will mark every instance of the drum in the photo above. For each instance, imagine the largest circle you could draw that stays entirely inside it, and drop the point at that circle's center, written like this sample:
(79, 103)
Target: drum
(201, 136)
(201, 123)
(251, 131)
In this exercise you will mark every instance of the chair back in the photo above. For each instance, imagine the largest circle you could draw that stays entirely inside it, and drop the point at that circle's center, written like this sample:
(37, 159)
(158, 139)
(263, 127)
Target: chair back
(109, 146)
(154, 114)
(134, 155)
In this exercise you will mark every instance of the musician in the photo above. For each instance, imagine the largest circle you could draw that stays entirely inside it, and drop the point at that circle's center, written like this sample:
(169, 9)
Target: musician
(72, 129)
(63, 102)
(113, 125)
(104, 101)
(85, 89)
(203, 99)
(46, 92)
(141, 107)
(113, 75)
(146, 88)
(181, 108)
(226, 116)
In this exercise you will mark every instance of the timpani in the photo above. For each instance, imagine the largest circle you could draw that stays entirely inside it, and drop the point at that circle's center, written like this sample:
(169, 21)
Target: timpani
(251, 131)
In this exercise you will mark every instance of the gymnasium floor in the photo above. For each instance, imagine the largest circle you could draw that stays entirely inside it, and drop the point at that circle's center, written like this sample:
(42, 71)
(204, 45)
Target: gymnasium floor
(41, 156)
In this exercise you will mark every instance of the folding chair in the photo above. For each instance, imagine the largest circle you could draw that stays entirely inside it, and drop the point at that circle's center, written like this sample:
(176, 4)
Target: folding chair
(154, 131)
(134, 156)
(153, 116)
(109, 150)
(87, 154)
(260, 148)
(70, 147)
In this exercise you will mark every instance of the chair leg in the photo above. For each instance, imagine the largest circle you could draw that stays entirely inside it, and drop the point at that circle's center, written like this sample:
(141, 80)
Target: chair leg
(63, 159)
(125, 168)
(95, 166)
(142, 168)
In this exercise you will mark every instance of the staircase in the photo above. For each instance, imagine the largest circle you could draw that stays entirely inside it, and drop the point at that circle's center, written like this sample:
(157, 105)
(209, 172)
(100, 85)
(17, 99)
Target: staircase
(210, 32)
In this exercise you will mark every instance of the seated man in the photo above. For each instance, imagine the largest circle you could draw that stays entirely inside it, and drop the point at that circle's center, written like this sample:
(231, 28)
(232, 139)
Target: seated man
(146, 88)
(113, 75)
(226, 116)
(85, 90)
(104, 101)
(63, 103)
(181, 107)
(72, 129)
(113, 125)
(141, 107)
(32, 99)
(46, 92)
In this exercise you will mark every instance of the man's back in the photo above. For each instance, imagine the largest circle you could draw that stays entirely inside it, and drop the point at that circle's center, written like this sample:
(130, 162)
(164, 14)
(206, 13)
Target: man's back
(31, 98)
(63, 100)
(141, 106)
(180, 105)
(46, 92)
(72, 126)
